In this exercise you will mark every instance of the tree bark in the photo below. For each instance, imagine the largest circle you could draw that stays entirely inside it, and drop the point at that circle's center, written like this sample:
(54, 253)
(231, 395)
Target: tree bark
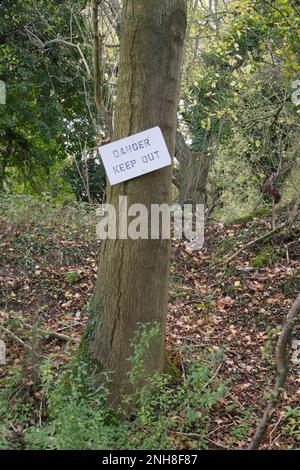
(132, 283)
(192, 174)
(105, 113)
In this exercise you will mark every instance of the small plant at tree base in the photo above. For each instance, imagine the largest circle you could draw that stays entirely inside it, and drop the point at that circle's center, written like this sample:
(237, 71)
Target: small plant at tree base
(80, 418)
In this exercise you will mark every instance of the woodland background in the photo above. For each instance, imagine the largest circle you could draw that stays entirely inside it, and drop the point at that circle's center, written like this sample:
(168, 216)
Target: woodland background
(237, 152)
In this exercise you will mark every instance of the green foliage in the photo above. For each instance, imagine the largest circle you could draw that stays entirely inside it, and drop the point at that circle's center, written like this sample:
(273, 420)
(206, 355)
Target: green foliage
(245, 423)
(72, 277)
(237, 103)
(144, 338)
(50, 118)
(48, 213)
(78, 416)
(87, 179)
(292, 426)
(15, 404)
(266, 257)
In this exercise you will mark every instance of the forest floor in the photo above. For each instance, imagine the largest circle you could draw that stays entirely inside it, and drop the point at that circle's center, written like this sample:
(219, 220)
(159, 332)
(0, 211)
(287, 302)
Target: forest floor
(48, 270)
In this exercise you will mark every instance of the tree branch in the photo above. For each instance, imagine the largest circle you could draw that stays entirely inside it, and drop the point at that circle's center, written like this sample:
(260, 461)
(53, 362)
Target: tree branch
(53, 334)
(253, 242)
(282, 370)
(98, 45)
(15, 337)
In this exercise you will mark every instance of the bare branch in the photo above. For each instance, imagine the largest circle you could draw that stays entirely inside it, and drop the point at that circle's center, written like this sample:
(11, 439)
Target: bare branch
(15, 337)
(98, 45)
(53, 334)
(282, 371)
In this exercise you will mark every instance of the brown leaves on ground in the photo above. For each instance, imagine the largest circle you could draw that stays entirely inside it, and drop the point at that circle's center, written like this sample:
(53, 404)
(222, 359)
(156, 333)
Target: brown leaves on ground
(48, 273)
(239, 309)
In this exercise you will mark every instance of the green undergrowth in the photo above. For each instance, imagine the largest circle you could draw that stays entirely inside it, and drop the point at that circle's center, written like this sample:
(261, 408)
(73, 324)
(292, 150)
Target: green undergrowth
(20, 211)
(77, 414)
(266, 257)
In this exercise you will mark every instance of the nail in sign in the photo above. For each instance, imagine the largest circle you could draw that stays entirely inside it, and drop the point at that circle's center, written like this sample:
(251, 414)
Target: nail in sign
(135, 155)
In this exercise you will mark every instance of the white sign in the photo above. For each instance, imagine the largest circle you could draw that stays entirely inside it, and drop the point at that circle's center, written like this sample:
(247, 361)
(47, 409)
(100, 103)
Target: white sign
(135, 155)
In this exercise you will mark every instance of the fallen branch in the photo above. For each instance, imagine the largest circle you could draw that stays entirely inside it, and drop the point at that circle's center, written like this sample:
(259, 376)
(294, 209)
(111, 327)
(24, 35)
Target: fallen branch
(49, 333)
(253, 242)
(282, 370)
(53, 334)
(15, 337)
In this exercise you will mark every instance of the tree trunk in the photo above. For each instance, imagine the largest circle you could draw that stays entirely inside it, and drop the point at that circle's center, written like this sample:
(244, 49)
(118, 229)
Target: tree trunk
(132, 283)
(192, 174)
